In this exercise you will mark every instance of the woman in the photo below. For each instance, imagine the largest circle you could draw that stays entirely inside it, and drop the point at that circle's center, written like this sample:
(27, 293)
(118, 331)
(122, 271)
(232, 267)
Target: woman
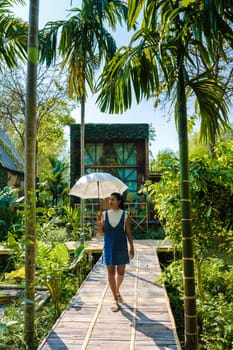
(115, 225)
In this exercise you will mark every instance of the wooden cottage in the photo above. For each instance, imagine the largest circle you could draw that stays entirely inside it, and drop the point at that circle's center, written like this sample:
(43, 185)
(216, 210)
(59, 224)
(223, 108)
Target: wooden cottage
(119, 149)
(11, 164)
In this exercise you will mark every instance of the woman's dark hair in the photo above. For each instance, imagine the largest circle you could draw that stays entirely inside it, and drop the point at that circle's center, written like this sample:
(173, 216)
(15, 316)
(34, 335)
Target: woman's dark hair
(120, 198)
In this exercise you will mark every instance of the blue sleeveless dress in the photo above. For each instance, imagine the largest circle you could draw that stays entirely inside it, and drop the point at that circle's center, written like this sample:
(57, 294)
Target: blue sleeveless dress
(115, 251)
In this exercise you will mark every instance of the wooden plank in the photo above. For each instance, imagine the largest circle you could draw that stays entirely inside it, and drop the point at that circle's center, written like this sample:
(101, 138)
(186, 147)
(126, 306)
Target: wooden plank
(143, 322)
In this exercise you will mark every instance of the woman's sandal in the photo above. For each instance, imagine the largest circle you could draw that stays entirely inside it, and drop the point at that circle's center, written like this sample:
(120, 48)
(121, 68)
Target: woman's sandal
(119, 298)
(115, 307)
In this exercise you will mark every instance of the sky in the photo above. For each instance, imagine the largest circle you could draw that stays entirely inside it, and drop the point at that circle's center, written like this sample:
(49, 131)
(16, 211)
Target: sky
(162, 120)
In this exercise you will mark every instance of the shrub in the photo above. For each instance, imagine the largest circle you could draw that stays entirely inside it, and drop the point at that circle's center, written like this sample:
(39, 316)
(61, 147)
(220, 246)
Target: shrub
(9, 218)
(215, 315)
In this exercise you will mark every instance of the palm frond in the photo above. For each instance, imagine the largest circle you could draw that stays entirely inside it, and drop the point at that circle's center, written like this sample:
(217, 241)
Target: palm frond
(83, 42)
(131, 72)
(212, 105)
(135, 8)
(13, 38)
(48, 42)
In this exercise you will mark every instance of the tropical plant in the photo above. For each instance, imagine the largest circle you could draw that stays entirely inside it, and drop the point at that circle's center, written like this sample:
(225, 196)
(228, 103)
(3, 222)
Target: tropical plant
(164, 161)
(17, 247)
(174, 52)
(54, 183)
(52, 263)
(215, 309)
(13, 35)
(211, 192)
(71, 217)
(55, 270)
(10, 220)
(214, 313)
(11, 332)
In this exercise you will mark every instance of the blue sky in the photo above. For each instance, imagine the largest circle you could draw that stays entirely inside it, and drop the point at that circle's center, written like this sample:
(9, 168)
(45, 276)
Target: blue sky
(161, 120)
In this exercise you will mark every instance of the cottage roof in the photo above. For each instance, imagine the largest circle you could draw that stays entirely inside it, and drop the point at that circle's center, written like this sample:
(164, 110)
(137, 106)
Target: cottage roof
(9, 157)
(96, 132)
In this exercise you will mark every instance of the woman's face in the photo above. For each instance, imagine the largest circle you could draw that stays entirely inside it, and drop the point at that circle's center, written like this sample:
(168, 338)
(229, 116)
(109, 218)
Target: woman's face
(114, 202)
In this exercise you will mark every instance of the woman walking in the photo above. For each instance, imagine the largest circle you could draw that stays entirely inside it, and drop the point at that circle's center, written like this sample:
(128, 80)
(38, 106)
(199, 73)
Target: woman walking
(115, 225)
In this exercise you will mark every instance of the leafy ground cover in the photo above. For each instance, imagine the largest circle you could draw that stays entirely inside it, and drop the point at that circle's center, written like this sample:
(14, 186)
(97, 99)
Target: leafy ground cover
(59, 271)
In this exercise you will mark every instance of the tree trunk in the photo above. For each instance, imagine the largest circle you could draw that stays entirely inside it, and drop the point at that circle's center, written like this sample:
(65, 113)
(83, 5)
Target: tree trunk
(82, 154)
(190, 317)
(30, 174)
(82, 137)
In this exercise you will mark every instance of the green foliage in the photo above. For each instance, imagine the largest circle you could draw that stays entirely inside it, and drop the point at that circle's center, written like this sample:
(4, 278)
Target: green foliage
(54, 270)
(212, 222)
(91, 49)
(16, 257)
(165, 197)
(158, 233)
(51, 231)
(7, 197)
(218, 278)
(54, 186)
(52, 267)
(3, 177)
(71, 216)
(15, 275)
(217, 327)
(172, 277)
(9, 218)
(58, 224)
(156, 53)
(53, 112)
(197, 150)
(14, 35)
(211, 183)
(215, 312)
(212, 194)
(164, 161)
(13, 327)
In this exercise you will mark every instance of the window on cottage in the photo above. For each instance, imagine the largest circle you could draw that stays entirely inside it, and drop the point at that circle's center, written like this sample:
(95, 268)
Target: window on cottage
(107, 154)
(119, 159)
(93, 152)
(129, 177)
(126, 153)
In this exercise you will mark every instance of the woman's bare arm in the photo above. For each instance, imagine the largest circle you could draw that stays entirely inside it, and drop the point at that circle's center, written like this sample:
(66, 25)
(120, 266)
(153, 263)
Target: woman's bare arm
(100, 223)
(130, 237)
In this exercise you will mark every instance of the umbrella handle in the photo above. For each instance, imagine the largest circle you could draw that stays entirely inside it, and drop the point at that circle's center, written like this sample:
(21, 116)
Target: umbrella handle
(98, 192)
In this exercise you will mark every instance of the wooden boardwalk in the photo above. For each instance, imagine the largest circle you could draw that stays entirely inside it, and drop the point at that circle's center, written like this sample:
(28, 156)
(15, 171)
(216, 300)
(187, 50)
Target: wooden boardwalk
(144, 321)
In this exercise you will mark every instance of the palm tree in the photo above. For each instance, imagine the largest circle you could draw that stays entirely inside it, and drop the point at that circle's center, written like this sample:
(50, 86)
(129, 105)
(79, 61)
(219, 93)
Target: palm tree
(30, 174)
(13, 46)
(172, 53)
(13, 37)
(84, 43)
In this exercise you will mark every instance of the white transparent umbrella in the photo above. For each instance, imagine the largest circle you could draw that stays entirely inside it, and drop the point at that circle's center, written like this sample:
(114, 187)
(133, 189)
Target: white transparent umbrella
(97, 185)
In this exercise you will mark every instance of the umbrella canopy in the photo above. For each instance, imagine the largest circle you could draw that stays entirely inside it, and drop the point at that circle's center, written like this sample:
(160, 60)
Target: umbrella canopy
(97, 185)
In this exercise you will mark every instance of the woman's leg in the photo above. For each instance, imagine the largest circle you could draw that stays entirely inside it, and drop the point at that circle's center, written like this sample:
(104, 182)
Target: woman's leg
(112, 280)
(119, 277)
(112, 283)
